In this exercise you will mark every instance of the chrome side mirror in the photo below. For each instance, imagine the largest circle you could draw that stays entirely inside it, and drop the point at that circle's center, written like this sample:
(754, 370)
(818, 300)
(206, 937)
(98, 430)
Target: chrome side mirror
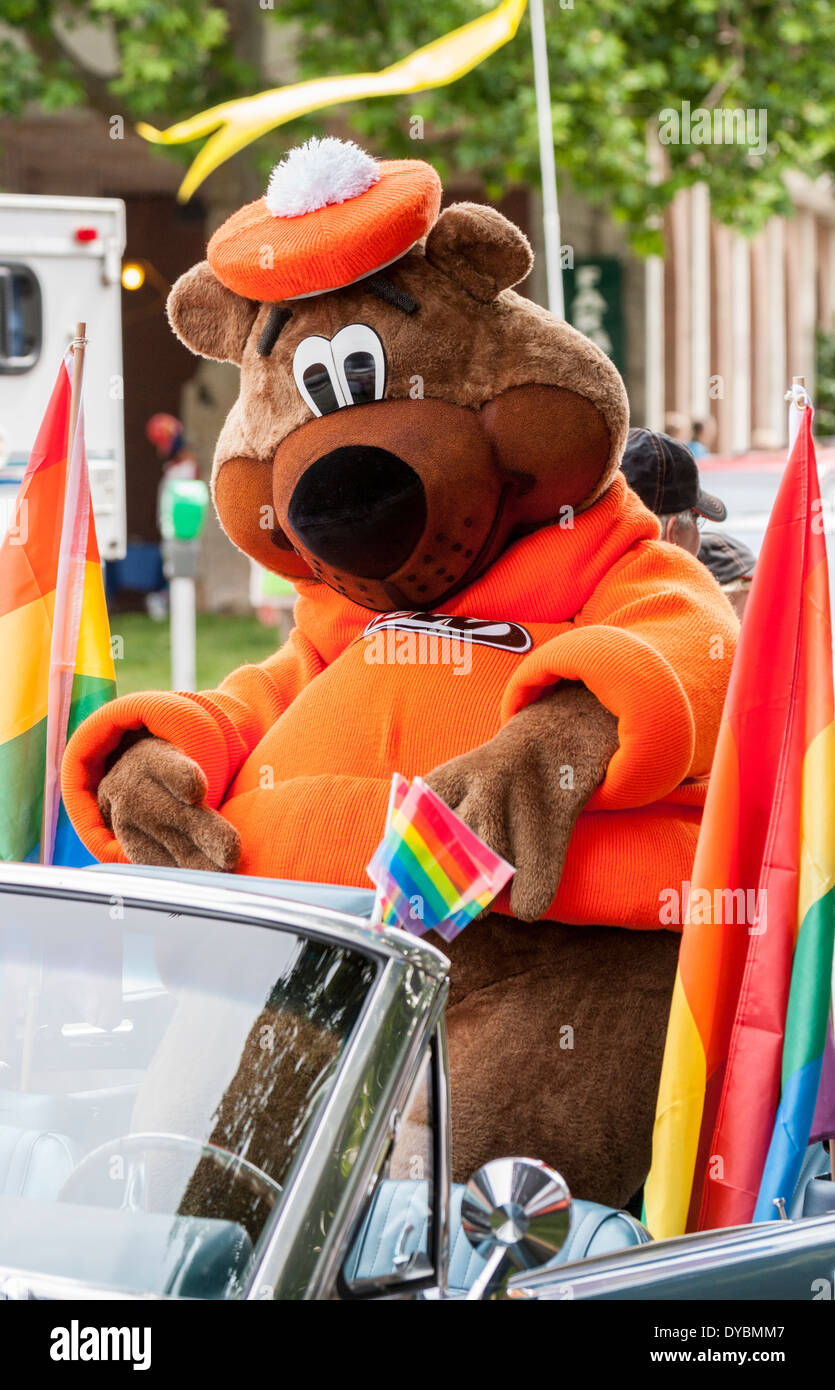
(515, 1213)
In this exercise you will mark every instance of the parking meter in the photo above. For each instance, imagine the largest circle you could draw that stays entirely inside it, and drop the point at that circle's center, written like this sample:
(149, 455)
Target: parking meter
(183, 508)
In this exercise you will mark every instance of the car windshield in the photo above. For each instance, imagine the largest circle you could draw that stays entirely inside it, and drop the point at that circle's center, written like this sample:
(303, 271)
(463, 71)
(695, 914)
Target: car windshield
(158, 1073)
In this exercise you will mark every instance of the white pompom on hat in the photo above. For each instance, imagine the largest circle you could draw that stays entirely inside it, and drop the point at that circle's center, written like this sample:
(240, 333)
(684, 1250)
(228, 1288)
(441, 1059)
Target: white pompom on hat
(330, 216)
(318, 174)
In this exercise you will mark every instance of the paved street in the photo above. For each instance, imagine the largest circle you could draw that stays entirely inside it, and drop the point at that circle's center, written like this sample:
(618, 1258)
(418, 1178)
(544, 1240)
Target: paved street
(748, 486)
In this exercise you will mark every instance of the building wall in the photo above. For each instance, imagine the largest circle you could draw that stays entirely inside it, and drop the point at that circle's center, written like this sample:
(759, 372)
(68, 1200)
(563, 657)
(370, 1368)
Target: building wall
(740, 315)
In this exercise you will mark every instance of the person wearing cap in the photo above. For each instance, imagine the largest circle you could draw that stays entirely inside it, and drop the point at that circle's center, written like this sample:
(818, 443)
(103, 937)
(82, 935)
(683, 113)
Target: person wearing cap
(732, 565)
(665, 475)
(166, 434)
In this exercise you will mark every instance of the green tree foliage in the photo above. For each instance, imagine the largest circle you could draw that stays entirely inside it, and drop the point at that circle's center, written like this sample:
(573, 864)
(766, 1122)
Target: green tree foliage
(615, 66)
(171, 58)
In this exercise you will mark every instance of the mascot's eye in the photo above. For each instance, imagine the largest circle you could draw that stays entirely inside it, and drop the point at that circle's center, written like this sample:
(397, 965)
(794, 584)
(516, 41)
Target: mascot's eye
(315, 376)
(360, 376)
(320, 388)
(360, 362)
(350, 369)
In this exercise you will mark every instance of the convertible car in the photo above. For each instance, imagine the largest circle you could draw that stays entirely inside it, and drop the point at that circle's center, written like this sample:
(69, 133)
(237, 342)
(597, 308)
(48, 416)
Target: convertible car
(216, 1088)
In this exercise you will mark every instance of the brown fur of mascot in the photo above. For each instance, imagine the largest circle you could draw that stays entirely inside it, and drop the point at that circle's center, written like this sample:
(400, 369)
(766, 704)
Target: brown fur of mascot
(488, 424)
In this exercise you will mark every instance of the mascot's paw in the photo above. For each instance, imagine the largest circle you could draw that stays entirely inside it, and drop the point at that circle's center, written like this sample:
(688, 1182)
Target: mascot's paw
(523, 791)
(151, 800)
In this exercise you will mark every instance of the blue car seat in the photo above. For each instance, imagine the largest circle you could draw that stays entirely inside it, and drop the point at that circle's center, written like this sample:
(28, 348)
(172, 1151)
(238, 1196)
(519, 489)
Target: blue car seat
(34, 1163)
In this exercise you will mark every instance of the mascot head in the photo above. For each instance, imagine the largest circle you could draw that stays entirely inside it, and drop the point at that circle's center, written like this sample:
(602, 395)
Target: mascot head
(403, 414)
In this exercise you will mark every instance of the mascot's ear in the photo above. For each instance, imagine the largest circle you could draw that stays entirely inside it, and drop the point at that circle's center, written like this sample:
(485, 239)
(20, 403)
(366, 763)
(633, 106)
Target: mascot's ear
(210, 319)
(480, 249)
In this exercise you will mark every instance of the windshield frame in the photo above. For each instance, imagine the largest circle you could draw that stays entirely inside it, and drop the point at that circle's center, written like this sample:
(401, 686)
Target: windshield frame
(397, 1016)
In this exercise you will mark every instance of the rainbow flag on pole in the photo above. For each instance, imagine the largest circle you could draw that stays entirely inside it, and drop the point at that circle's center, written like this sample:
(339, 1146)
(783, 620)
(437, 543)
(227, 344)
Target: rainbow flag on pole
(54, 636)
(431, 871)
(751, 1000)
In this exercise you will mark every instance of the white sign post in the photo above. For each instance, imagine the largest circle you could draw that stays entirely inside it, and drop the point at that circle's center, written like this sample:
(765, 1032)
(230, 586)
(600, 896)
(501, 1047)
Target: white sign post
(545, 126)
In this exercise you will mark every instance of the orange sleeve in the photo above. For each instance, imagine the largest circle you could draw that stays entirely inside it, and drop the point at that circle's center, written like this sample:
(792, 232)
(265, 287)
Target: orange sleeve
(655, 644)
(217, 728)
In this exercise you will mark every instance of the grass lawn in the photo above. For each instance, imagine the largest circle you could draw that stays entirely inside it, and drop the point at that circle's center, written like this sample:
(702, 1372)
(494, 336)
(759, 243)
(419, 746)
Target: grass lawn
(223, 642)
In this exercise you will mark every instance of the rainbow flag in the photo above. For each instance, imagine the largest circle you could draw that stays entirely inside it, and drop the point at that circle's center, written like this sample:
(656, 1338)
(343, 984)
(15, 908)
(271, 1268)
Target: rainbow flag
(54, 636)
(751, 999)
(430, 870)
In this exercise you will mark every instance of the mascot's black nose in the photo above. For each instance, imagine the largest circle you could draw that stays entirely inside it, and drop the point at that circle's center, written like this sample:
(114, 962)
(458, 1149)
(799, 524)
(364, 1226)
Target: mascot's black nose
(360, 509)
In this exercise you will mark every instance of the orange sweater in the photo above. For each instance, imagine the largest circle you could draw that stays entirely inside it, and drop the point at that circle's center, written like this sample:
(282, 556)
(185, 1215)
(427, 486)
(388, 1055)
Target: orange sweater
(299, 751)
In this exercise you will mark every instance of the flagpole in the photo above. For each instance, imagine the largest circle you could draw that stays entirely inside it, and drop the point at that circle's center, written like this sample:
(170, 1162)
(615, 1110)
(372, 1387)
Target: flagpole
(63, 676)
(377, 910)
(78, 349)
(798, 398)
(545, 125)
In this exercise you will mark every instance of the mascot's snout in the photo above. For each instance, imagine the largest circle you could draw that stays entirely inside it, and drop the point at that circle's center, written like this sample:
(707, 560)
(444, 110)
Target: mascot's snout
(359, 508)
(371, 498)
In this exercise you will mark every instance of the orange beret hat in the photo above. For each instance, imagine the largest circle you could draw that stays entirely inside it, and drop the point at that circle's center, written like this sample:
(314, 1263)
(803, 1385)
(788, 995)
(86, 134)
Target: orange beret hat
(330, 216)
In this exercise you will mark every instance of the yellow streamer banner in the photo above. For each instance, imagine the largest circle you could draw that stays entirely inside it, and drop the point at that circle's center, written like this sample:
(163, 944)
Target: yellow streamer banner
(235, 124)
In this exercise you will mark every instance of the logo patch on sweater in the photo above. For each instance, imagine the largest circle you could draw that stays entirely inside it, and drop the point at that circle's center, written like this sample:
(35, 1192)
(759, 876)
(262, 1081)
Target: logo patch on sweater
(482, 632)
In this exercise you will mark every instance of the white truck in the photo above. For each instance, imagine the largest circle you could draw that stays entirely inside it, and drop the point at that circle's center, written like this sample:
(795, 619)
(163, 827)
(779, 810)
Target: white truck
(60, 263)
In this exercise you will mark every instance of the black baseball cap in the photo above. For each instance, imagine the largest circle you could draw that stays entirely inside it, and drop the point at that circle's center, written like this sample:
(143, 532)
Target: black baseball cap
(665, 476)
(727, 557)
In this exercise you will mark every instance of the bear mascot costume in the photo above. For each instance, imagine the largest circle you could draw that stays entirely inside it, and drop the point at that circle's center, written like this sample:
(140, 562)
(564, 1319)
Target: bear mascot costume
(422, 450)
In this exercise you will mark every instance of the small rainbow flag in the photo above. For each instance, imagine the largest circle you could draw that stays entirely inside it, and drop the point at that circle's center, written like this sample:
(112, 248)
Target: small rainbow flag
(430, 870)
(54, 637)
(751, 1000)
